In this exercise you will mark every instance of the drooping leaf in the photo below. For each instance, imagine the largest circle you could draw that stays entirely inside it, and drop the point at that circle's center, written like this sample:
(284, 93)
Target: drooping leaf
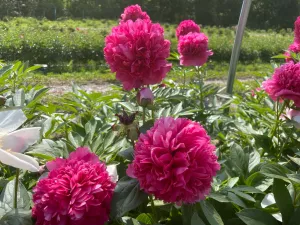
(283, 200)
(127, 196)
(256, 217)
(210, 213)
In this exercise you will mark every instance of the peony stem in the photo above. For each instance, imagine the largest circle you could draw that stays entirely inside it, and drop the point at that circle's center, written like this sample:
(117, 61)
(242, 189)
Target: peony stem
(16, 189)
(184, 77)
(153, 209)
(198, 69)
(144, 115)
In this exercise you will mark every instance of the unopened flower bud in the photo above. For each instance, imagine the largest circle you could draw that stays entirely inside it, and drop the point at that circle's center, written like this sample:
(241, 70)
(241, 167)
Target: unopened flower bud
(145, 97)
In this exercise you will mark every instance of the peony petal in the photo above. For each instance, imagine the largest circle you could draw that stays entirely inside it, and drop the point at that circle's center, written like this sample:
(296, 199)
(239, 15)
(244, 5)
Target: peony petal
(113, 173)
(11, 120)
(20, 140)
(19, 160)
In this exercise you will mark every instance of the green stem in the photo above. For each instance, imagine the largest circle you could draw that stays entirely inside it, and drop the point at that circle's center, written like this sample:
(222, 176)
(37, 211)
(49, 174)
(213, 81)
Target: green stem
(155, 218)
(16, 189)
(184, 77)
(201, 87)
(276, 127)
(144, 115)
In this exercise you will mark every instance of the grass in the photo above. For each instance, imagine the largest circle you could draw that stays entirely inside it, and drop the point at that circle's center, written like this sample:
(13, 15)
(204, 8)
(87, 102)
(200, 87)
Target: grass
(216, 71)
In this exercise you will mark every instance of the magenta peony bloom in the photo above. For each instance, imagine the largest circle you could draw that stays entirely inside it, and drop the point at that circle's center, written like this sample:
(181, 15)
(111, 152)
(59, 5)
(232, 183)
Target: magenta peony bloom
(285, 83)
(186, 27)
(77, 191)
(133, 13)
(138, 52)
(295, 47)
(297, 30)
(175, 161)
(193, 49)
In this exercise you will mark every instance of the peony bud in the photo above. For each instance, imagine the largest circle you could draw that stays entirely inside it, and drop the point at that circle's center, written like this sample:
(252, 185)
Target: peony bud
(145, 97)
(2, 101)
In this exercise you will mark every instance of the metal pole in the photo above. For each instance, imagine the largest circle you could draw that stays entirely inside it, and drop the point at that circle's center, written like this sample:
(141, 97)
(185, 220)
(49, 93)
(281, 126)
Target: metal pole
(237, 44)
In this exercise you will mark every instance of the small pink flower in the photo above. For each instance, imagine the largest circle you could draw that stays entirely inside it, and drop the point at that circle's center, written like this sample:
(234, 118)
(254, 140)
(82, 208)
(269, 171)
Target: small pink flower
(293, 115)
(295, 47)
(253, 92)
(285, 83)
(193, 49)
(186, 27)
(133, 13)
(77, 191)
(145, 97)
(138, 52)
(175, 161)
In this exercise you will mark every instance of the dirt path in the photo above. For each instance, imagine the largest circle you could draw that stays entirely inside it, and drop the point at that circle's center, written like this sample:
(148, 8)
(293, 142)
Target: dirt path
(57, 89)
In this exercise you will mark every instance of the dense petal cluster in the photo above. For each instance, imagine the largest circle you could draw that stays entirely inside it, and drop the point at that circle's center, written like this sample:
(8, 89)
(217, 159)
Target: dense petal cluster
(138, 52)
(77, 191)
(175, 161)
(193, 49)
(295, 46)
(133, 13)
(186, 27)
(285, 83)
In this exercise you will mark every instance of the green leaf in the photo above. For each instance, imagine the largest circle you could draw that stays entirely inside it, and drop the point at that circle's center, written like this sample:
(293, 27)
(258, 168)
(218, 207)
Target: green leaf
(127, 153)
(239, 159)
(259, 181)
(274, 171)
(232, 181)
(219, 197)
(210, 213)
(295, 219)
(17, 217)
(127, 196)
(145, 218)
(196, 220)
(176, 109)
(283, 200)
(254, 160)
(130, 221)
(19, 98)
(236, 200)
(248, 189)
(295, 160)
(7, 197)
(256, 217)
(243, 195)
(129, 106)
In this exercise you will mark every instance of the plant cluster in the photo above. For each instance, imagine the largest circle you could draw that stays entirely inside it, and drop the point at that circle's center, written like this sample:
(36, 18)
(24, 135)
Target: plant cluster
(159, 153)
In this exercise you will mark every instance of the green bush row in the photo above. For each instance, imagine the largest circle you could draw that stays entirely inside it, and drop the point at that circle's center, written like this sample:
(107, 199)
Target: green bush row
(42, 41)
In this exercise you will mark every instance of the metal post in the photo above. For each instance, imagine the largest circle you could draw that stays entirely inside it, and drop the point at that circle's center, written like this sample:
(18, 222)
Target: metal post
(237, 44)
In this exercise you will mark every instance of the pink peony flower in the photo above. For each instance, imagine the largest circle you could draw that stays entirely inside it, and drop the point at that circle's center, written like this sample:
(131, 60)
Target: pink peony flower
(77, 191)
(186, 27)
(193, 49)
(138, 52)
(295, 47)
(145, 97)
(285, 83)
(297, 30)
(133, 13)
(175, 161)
